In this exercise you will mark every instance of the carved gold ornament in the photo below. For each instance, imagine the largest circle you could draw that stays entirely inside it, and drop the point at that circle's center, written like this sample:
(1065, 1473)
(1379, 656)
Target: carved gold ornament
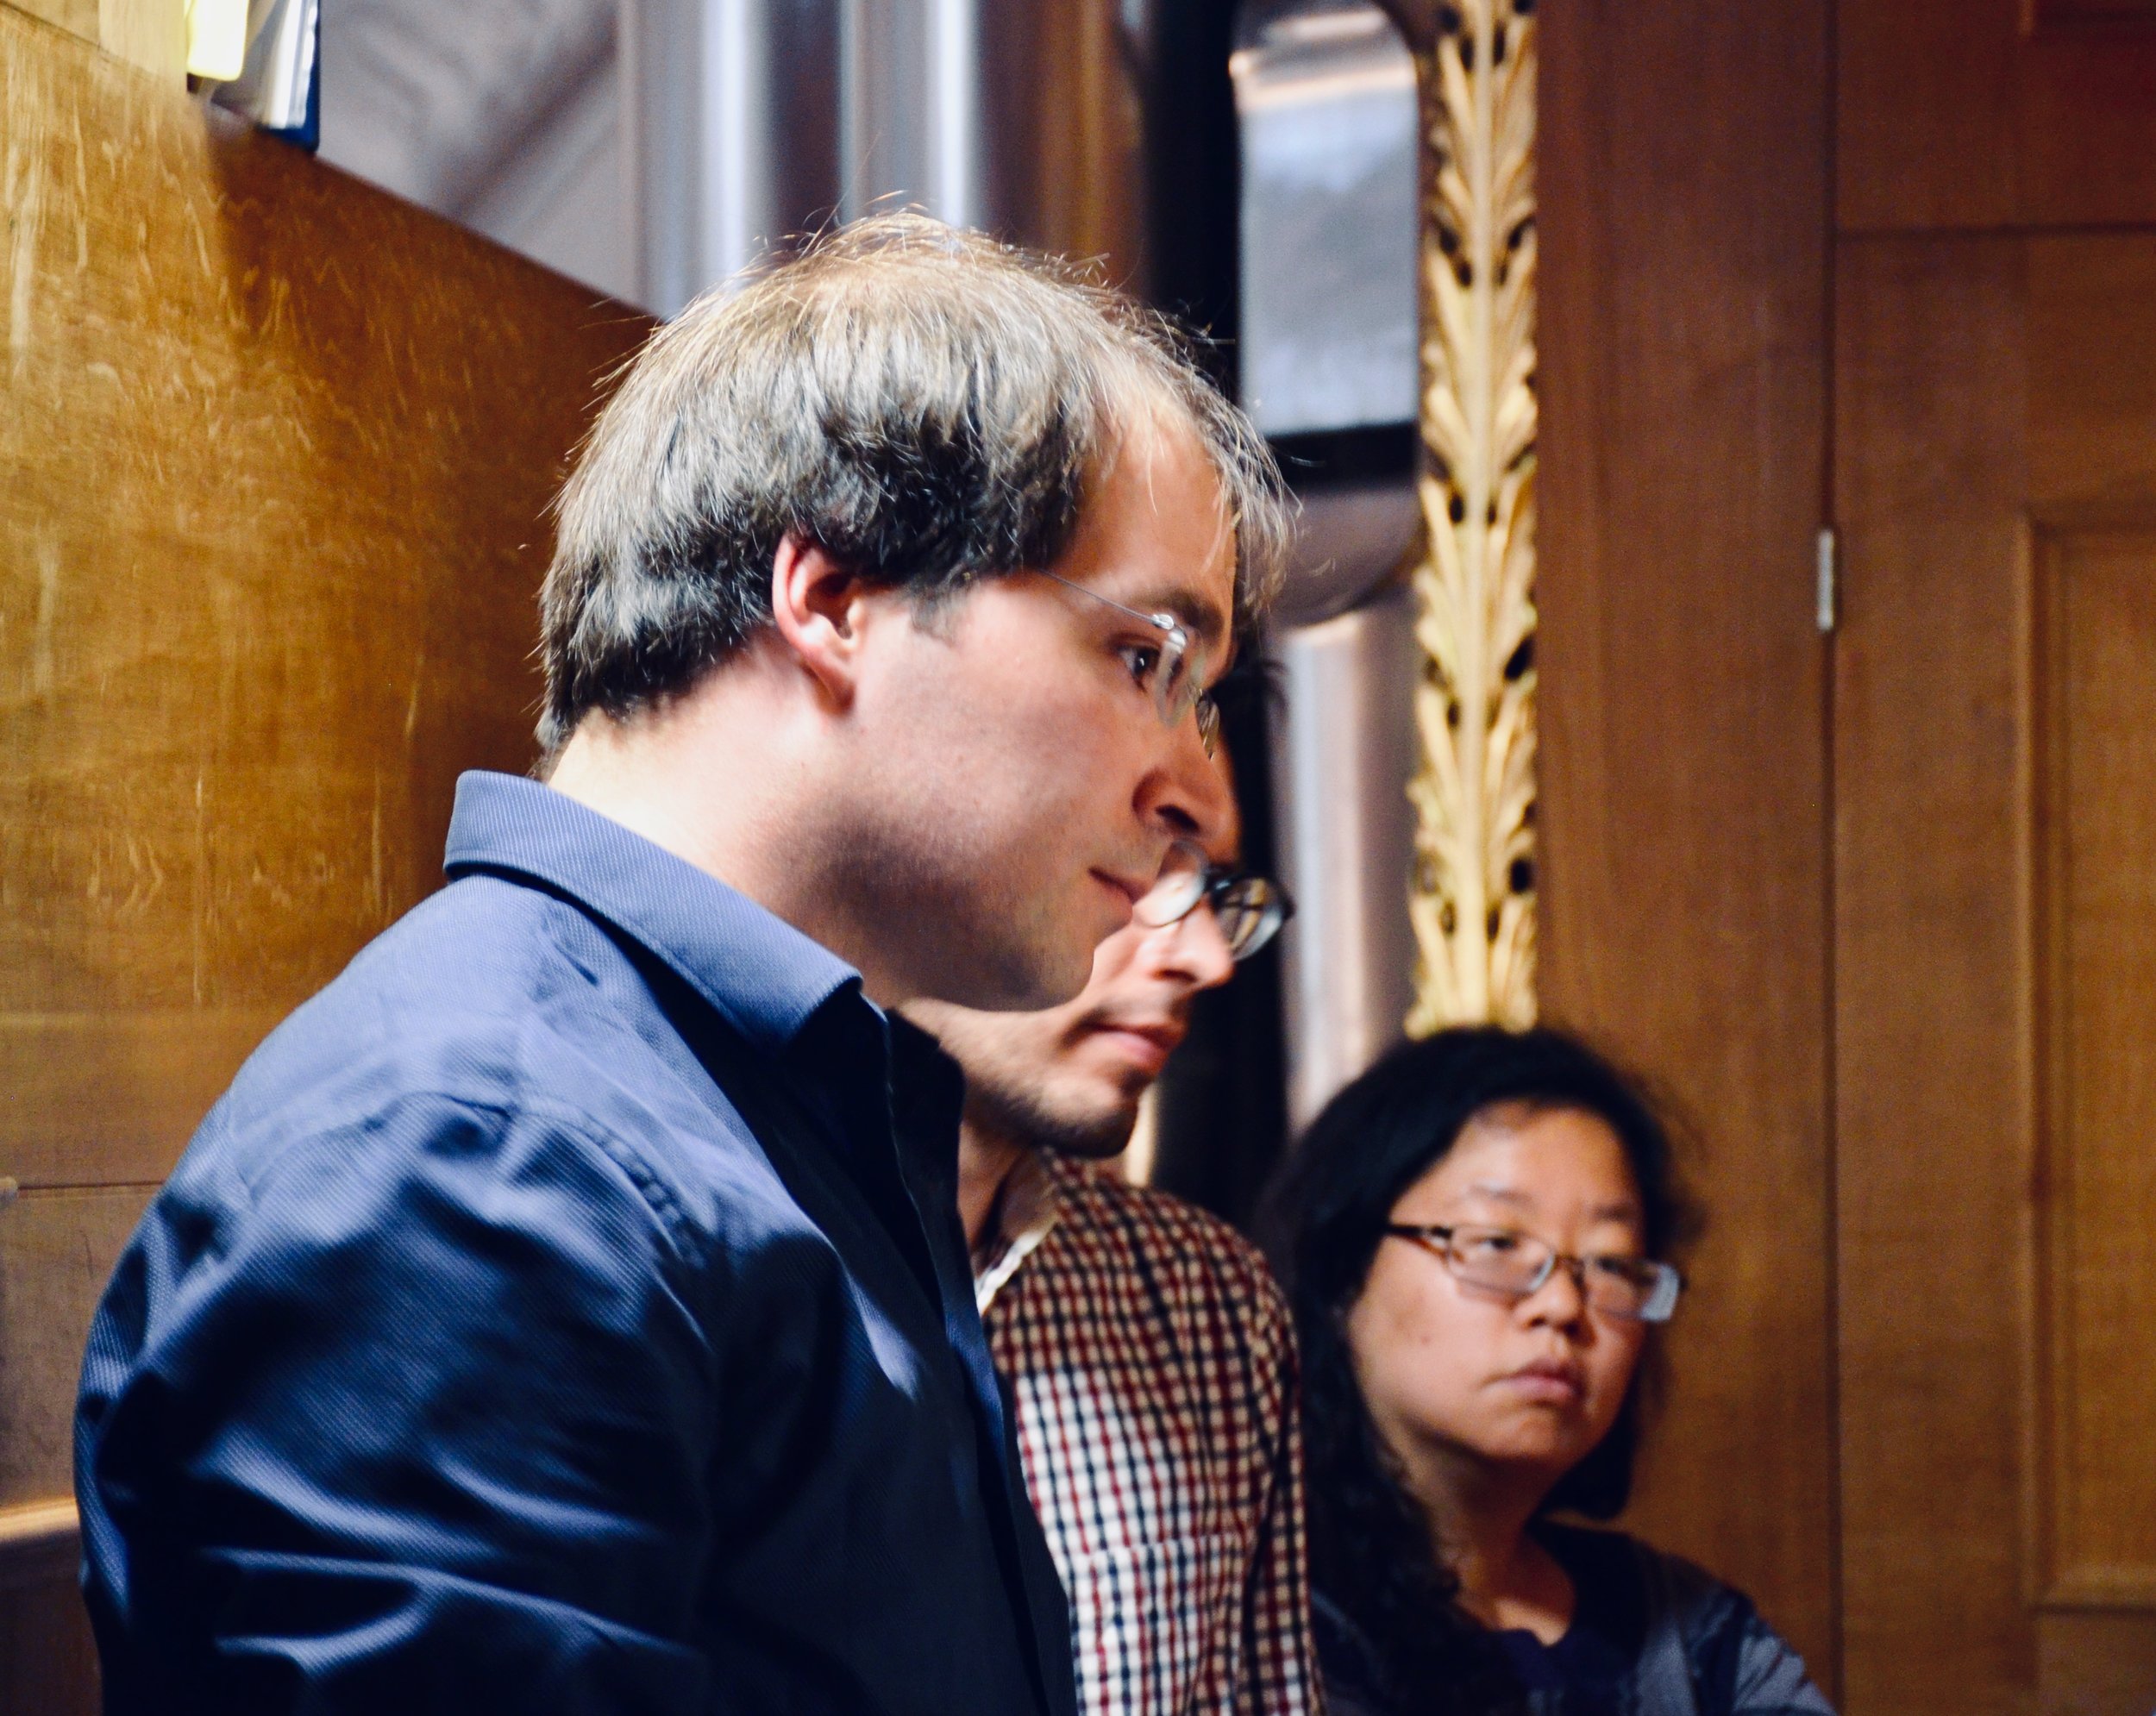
(1472, 901)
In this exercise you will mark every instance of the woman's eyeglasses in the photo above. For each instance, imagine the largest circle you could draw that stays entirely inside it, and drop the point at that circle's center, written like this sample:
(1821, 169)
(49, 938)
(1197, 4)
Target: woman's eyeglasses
(1498, 1259)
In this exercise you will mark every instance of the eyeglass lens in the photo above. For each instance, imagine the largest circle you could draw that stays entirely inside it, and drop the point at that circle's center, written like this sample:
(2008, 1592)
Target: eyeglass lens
(1176, 892)
(1517, 1264)
(1248, 909)
(1178, 684)
(1178, 687)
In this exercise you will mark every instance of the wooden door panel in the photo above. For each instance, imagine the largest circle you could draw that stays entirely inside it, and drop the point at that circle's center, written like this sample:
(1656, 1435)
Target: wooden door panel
(2091, 1663)
(2091, 343)
(2094, 1482)
(1995, 717)
(1683, 803)
(1996, 113)
(1933, 1088)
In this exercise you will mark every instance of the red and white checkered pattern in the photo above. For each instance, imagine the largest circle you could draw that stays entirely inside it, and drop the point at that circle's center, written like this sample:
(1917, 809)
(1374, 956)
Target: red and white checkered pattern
(1154, 1367)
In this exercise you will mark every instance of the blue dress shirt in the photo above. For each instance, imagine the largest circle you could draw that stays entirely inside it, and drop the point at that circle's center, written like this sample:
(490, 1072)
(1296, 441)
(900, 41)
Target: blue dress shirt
(565, 1311)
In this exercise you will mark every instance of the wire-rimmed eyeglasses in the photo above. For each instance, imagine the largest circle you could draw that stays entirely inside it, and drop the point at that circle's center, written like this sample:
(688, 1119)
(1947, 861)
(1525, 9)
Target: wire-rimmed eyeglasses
(1175, 681)
(1248, 909)
(1498, 1259)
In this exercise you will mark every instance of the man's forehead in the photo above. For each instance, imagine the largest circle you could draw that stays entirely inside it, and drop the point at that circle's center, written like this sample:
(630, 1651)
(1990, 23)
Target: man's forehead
(1186, 491)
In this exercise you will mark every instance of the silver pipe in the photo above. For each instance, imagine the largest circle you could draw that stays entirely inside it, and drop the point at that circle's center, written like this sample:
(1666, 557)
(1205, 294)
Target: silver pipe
(732, 129)
(753, 121)
(1344, 749)
(1325, 95)
(955, 99)
(913, 120)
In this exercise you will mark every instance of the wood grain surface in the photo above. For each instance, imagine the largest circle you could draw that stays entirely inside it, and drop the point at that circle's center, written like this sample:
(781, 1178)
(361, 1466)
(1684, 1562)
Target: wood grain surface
(1996, 828)
(152, 34)
(273, 475)
(1983, 114)
(276, 451)
(1933, 1055)
(1683, 809)
(77, 17)
(2095, 706)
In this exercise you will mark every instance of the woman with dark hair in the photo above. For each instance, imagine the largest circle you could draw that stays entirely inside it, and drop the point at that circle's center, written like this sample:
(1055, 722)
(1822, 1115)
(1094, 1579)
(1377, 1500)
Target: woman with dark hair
(1476, 1237)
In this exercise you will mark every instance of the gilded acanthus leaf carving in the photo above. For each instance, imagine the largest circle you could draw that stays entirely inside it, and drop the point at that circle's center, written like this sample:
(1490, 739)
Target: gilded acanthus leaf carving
(1473, 902)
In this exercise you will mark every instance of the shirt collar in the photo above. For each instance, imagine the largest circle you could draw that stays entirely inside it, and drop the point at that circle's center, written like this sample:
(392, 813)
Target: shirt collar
(1027, 1208)
(762, 974)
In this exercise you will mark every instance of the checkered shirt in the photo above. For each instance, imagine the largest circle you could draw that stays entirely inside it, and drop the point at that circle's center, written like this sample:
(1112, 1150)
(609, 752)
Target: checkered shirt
(1153, 1365)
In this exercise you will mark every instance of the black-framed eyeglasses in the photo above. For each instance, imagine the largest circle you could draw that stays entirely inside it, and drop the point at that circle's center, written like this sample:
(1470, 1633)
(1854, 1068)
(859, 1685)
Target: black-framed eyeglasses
(1498, 1259)
(1248, 909)
(1175, 678)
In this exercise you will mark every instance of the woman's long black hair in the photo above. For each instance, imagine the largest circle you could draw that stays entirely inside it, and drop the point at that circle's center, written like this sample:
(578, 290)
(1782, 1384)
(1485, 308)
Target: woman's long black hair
(1371, 1555)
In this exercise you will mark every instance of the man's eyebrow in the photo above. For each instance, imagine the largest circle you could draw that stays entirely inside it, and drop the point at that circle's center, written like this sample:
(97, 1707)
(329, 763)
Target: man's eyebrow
(1205, 626)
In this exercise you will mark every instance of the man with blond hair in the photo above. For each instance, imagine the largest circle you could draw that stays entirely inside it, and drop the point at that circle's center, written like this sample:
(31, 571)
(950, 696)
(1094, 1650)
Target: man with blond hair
(563, 1311)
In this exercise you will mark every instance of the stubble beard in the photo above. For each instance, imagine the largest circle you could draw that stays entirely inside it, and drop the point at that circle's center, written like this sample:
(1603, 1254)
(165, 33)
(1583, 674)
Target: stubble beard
(1005, 1103)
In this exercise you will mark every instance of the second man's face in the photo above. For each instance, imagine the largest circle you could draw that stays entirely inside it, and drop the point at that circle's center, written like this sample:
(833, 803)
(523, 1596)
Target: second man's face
(1069, 1079)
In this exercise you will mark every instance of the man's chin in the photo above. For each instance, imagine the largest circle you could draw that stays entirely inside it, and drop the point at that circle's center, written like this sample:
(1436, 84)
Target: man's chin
(1086, 1133)
(1100, 1141)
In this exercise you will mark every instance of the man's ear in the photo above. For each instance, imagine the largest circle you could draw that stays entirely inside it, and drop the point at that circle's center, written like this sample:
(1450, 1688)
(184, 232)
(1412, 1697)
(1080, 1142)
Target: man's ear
(819, 607)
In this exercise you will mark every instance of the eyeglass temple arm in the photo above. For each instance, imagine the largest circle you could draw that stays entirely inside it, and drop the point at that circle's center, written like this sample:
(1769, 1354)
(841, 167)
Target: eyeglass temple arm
(1167, 623)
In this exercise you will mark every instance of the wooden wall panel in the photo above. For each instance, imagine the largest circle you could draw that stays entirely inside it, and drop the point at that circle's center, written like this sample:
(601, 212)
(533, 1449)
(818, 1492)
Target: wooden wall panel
(48, 1665)
(2096, 910)
(77, 17)
(2095, 1664)
(1933, 1063)
(273, 472)
(2053, 14)
(113, 1089)
(1682, 807)
(275, 455)
(57, 1249)
(1980, 114)
(2091, 343)
(1995, 830)
(151, 34)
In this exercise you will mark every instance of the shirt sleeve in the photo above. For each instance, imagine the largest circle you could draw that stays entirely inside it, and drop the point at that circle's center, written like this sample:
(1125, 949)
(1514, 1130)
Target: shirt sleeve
(1281, 1678)
(418, 1420)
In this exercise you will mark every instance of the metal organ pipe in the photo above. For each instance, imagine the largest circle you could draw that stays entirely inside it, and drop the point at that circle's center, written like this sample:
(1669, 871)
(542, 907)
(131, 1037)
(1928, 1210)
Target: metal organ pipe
(1326, 102)
(754, 120)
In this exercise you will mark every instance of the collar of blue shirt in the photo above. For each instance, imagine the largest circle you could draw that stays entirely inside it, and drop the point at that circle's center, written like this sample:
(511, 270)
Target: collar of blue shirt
(764, 976)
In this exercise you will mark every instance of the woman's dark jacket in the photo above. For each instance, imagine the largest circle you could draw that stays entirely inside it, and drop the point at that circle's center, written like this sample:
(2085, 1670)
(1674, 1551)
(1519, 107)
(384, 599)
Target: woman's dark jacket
(1651, 1635)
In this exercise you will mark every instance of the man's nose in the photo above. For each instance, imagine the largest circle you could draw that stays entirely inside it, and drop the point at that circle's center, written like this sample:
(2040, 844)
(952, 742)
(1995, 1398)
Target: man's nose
(1190, 796)
(1193, 950)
